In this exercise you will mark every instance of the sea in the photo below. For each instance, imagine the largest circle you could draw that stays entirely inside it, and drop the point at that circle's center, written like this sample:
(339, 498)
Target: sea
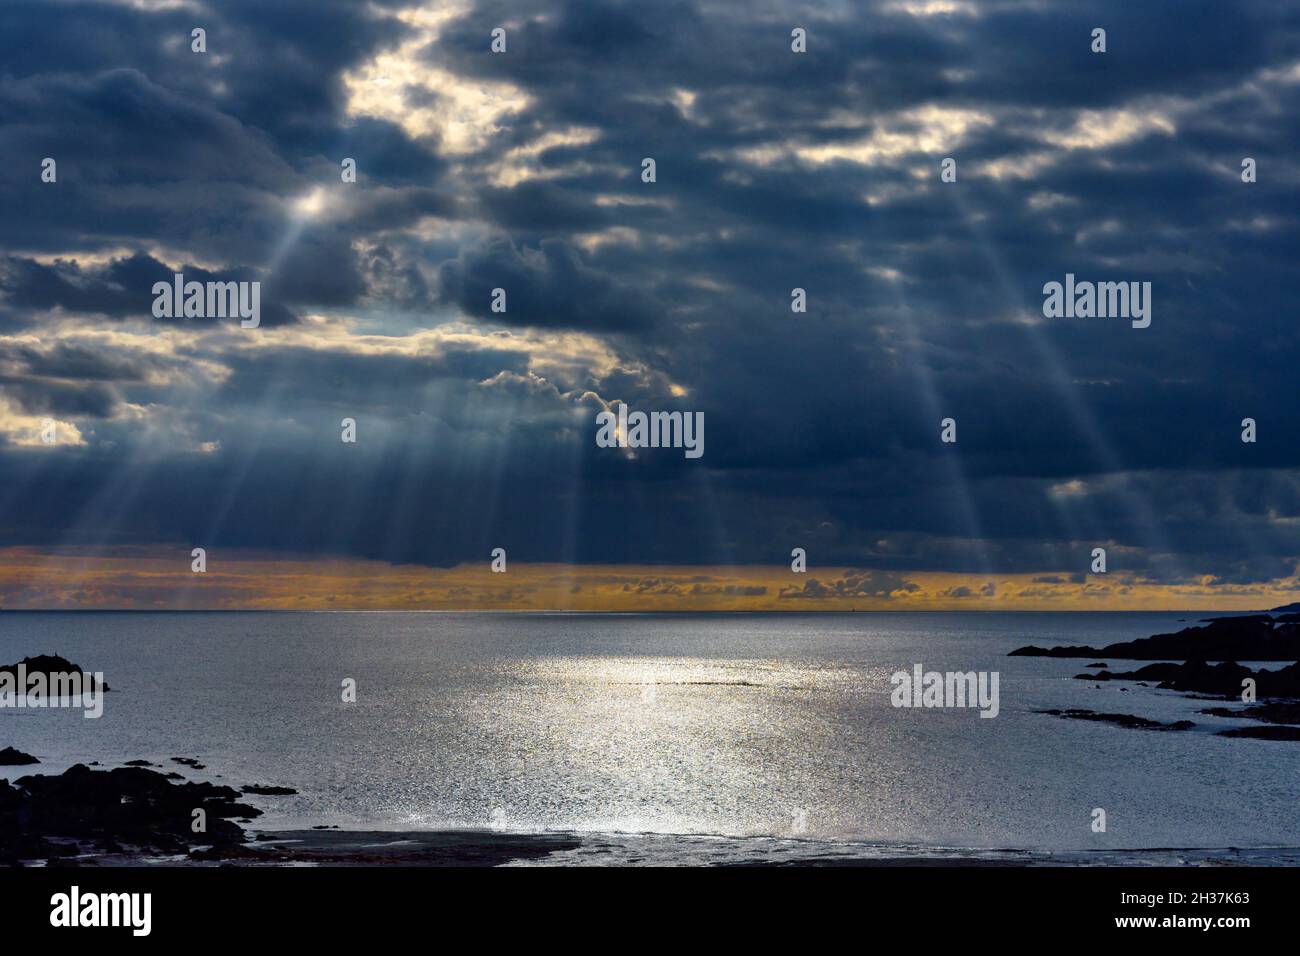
(668, 737)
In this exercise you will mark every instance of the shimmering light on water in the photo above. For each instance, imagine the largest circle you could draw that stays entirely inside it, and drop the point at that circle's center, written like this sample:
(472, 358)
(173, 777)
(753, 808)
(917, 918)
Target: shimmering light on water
(737, 725)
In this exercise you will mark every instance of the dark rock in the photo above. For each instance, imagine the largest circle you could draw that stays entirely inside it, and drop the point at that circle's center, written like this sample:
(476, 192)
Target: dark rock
(15, 758)
(1253, 637)
(1122, 720)
(1272, 712)
(48, 664)
(138, 763)
(1263, 733)
(1203, 678)
(189, 762)
(126, 806)
(137, 813)
(1158, 672)
(1098, 664)
(1276, 712)
(263, 790)
(1222, 712)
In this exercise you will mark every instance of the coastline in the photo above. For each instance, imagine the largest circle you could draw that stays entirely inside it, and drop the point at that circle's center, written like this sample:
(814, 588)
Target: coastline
(489, 848)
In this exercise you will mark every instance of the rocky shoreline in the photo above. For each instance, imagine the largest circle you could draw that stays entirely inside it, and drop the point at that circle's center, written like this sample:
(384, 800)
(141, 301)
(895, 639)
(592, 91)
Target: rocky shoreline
(105, 811)
(1226, 679)
(1254, 637)
(144, 812)
(131, 814)
(1251, 637)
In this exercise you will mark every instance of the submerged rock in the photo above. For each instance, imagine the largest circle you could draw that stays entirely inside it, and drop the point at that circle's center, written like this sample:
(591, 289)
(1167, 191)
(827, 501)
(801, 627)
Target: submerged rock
(1122, 720)
(1272, 712)
(1263, 733)
(268, 791)
(1276, 712)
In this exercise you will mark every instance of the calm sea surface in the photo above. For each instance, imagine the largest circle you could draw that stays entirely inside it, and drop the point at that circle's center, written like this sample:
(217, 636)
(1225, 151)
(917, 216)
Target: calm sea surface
(735, 725)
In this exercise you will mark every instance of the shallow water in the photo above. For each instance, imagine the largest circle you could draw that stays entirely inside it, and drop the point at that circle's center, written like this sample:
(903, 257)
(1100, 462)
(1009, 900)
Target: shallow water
(732, 725)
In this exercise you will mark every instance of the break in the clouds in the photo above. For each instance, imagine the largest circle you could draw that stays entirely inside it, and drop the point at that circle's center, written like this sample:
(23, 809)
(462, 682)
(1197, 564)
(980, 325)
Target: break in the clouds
(775, 170)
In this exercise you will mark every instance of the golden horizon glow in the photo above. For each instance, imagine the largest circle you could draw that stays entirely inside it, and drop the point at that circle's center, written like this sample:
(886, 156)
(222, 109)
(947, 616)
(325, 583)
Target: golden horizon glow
(132, 578)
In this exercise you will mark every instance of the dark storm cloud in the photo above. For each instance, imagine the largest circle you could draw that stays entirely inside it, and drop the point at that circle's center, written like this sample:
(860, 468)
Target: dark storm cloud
(775, 171)
(70, 361)
(43, 397)
(396, 386)
(130, 156)
(157, 144)
(550, 286)
(280, 63)
(123, 288)
(320, 270)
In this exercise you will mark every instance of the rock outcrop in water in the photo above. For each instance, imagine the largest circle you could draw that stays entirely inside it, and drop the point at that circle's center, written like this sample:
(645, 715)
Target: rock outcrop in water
(1123, 720)
(9, 757)
(46, 665)
(1273, 712)
(1263, 733)
(1254, 637)
(1200, 677)
(133, 814)
(1258, 637)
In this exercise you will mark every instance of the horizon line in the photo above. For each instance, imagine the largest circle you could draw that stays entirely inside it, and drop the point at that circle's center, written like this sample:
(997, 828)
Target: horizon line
(636, 613)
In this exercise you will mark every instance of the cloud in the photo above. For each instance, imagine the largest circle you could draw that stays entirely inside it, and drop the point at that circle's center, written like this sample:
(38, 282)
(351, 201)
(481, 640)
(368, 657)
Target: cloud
(775, 171)
(547, 287)
(120, 289)
(854, 584)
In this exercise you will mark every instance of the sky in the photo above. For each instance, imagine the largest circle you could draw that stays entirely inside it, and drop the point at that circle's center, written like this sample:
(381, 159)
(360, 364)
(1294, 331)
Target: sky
(774, 170)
